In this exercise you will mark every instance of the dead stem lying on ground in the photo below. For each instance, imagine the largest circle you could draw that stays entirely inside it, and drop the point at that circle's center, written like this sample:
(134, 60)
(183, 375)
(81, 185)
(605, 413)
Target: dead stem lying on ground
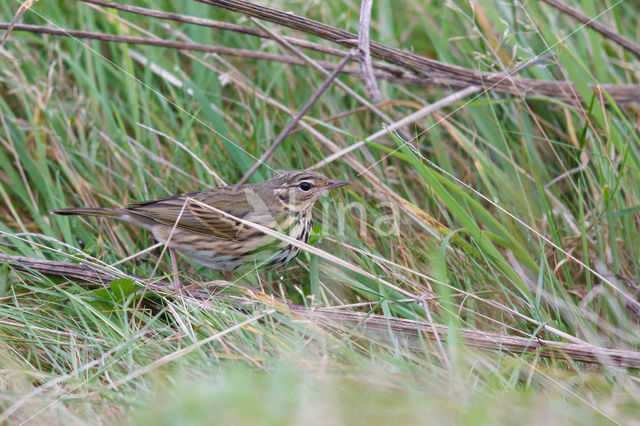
(371, 326)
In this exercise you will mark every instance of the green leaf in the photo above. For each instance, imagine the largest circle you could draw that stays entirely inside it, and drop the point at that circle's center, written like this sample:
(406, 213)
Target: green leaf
(123, 287)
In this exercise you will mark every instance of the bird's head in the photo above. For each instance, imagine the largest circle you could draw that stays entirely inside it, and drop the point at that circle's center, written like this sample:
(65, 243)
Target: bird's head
(298, 190)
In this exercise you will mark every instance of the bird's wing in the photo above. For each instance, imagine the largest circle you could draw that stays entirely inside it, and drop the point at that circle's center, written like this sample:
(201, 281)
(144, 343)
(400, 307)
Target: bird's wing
(197, 218)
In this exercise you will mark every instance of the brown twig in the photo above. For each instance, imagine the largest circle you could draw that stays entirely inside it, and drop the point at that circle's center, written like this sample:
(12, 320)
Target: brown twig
(153, 42)
(596, 26)
(318, 67)
(438, 73)
(395, 73)
(85, 272)
(372, 326)
(365, 52)
(21, 10)
(285, 132)
(415, 332)
(395, 77)
(210, 23)
(64, 269)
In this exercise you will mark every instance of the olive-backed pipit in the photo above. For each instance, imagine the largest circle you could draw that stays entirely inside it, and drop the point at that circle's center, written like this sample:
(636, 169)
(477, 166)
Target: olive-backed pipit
(186, 224)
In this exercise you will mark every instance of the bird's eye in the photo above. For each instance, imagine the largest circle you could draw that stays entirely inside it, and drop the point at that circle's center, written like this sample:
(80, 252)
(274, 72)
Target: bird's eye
(305, 186)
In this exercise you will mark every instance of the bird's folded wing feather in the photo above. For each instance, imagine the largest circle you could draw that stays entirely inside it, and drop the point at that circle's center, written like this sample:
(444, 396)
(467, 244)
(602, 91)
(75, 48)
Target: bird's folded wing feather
(196, 217)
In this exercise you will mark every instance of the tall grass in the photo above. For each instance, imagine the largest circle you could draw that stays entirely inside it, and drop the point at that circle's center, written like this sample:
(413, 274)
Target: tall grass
(508, 214)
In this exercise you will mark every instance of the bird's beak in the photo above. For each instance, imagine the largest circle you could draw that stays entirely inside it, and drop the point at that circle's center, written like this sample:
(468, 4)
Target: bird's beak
(336, 184)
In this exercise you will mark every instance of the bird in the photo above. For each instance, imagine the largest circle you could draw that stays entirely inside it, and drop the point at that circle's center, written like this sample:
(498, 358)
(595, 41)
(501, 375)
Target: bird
(186, 223)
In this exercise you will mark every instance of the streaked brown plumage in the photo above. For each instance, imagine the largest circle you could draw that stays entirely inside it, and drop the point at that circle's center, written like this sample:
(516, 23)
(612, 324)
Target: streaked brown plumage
(283, 203)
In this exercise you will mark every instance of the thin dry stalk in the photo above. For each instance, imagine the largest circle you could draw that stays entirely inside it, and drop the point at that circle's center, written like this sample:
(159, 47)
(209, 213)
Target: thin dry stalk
(285, 132)
(365, 52)
(427, 311)
(210, 23)
(151, 42)
(318, 67)
(21, 10)
(211, 173)
(411, 118)
(402, 78)
(596, 26)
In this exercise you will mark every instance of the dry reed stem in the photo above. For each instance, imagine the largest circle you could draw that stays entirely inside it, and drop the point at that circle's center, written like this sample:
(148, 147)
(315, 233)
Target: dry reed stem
(438, 73)
(596, 26)
(365, 52)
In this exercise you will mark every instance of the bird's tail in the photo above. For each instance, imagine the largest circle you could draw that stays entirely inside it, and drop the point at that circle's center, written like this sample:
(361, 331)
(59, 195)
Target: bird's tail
(91, 211)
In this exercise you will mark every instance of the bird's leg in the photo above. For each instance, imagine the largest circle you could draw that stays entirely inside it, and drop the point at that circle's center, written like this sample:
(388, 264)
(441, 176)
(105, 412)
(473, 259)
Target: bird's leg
(174, 268)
